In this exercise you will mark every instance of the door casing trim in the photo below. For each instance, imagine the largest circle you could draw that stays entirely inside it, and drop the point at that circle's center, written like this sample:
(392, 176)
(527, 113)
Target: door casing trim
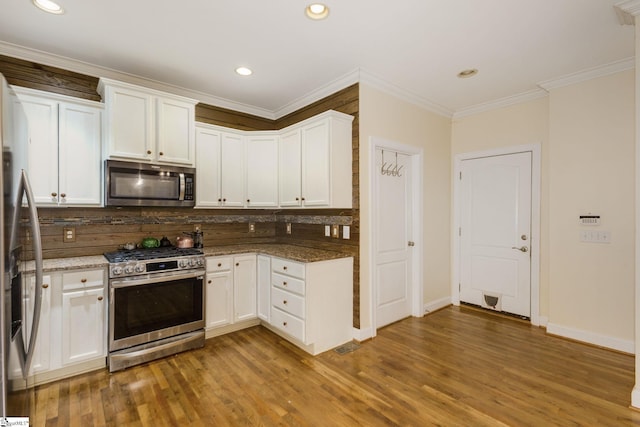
(535, 150)
(417, 291)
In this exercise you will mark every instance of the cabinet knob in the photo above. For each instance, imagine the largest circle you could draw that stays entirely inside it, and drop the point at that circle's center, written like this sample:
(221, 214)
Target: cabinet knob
(284, 283)
(161, 153)
(284, 323)
(148, 151)
(45, 285)
(248, 200)
(209, 281)
(237, 264)
(303, 199)
(284, 302)
(83, 280)
(297, 199)
(63, 195)
(219, 200)
(284, 268)
(100, 298)
(219, 264)
(54, 194)
(224, 200)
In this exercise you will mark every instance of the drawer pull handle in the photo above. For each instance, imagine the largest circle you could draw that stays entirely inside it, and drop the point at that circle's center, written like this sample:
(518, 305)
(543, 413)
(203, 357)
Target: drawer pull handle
(100, 298)
(83, 280)
(45, 285)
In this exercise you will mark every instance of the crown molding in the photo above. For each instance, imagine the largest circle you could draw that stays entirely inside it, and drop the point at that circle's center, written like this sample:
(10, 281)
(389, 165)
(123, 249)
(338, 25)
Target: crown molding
(500, 103)
(588, 74)
(322, 92)
(627, 11)
(69, 64)
(398, 92)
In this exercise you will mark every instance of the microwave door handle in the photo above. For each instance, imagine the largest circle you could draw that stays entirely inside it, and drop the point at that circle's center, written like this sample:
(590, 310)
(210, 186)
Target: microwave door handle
(37, 253)
(182, 186)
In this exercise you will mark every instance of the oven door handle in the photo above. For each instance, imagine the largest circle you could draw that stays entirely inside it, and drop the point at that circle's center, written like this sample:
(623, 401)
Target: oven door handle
(157, 278)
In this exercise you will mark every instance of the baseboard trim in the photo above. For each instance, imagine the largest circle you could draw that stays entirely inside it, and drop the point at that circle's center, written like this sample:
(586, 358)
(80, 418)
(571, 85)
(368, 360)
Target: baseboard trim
(635, 397)
(362, 334)
(618, 344)
(436, 305)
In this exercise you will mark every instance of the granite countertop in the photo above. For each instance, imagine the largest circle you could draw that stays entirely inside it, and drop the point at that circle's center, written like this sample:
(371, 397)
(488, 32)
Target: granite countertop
(292, 252)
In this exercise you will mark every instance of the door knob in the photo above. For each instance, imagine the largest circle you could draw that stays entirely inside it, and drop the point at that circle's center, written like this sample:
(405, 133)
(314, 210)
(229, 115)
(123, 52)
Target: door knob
(521, 249)
(410, 243)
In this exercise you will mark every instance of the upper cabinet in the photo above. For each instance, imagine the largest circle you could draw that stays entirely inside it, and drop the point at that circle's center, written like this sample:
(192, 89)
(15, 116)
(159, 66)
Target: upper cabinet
(147, 125)
(64, 155)
(304, 165)
(315, 162)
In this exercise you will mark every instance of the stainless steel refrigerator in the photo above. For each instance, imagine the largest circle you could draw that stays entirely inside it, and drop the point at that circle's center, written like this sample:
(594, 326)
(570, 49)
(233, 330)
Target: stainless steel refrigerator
(20, 238)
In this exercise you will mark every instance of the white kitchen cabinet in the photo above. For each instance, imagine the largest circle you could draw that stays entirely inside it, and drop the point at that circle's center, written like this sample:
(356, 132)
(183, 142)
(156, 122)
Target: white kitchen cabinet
(262, 170)
(264, 287)
(231, 293)
(315, 162)
(84, 332)
(219, 292)
(64, 155)
(244, 288)
(219, 167)
(312, 303)
(147, 125)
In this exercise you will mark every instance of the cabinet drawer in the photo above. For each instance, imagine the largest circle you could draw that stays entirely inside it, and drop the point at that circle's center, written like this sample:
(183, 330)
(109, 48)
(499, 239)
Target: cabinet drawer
(286, 301)
(287, 267)
(288, 283)
(82, 279)
(219, 264)
(287, 323)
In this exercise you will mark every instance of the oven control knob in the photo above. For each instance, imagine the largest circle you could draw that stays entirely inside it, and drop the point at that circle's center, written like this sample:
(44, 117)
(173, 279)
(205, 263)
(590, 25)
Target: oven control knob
(140, 268)
(200, 262)
(192, 262)
(183, 263)
(128, 269)
(116, 271)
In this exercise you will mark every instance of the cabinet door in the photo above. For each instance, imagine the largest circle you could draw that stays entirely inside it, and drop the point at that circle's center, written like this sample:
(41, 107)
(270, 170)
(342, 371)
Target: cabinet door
(129, 124)
(289, 167)
(83, 325)
(244, 285)
(175, 124)
(232, 170)
(316, 169)
(264, 287)
(207, 167)
(80, 155)
(42, 115)
(262, 171)
(219, 294)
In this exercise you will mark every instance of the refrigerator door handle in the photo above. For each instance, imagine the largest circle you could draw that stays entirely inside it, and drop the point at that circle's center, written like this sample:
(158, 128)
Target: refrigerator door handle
(24, 187)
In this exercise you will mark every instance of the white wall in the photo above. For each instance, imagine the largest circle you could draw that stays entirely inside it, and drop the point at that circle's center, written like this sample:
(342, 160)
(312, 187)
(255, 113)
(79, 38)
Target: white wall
(387, 117)
(586, 131)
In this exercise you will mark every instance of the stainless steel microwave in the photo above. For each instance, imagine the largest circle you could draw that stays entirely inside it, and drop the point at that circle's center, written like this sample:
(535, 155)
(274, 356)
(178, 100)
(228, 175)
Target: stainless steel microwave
(144, 184)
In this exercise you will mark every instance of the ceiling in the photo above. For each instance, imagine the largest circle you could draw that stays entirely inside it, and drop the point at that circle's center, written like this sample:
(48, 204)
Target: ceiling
(413, 47)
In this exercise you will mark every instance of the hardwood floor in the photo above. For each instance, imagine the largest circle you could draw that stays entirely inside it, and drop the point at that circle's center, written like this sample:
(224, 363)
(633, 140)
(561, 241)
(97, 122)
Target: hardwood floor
(455, 367)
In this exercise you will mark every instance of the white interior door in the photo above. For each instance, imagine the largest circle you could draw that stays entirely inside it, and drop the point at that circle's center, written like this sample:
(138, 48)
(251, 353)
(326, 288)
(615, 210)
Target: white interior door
(495, 232)
(393, 231)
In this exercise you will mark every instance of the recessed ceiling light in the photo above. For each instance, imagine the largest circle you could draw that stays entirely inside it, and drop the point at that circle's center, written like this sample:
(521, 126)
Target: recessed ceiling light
(467, 73)
(317, 11)
(49, 6)
(244, 71)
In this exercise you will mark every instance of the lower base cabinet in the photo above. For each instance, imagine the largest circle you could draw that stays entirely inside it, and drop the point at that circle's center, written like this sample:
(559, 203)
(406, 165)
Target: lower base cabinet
(72, 336)
(312, 303)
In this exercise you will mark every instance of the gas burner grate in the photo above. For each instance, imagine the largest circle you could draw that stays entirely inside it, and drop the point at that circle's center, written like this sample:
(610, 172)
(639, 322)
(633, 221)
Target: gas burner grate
(147, 254)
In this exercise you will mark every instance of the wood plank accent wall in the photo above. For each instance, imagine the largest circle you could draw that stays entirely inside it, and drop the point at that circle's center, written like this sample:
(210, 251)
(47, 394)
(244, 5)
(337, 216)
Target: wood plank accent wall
(95, 235)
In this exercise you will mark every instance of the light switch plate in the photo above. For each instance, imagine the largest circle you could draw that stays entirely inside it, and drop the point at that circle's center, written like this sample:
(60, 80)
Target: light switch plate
(69, 234)
(327, 231)
(288, 228)
(346, 232)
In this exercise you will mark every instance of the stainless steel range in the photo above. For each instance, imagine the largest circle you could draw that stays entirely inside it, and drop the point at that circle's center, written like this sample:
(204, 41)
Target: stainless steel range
(156, 304)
